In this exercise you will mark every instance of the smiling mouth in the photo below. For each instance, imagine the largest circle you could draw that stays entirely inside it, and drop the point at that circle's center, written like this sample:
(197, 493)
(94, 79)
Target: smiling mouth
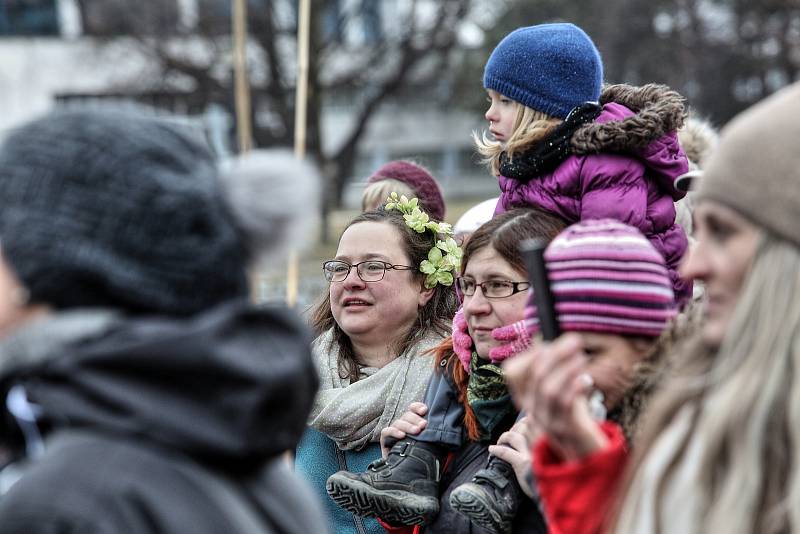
(355, 303)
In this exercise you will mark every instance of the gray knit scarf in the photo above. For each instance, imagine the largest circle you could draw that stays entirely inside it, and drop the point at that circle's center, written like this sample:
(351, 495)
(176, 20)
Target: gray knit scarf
(353, 415)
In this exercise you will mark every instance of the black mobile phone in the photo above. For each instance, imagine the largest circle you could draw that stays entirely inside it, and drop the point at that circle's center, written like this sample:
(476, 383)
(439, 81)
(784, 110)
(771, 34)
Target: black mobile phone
(533, 255)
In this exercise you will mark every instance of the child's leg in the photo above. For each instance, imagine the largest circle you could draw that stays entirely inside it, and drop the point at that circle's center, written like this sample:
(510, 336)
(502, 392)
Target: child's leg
(403, 488)
(492, 498)
(445, 414)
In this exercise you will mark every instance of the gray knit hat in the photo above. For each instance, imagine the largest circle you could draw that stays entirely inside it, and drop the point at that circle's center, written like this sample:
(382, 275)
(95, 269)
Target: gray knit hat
(112, 208)
(756, 167)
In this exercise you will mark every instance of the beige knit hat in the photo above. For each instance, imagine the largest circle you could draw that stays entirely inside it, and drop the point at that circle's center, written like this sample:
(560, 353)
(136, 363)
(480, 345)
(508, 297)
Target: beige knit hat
(756, 167)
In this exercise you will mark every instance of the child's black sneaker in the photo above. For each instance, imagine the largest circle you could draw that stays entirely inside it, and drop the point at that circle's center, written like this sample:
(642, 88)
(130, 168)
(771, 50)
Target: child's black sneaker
(402, 489)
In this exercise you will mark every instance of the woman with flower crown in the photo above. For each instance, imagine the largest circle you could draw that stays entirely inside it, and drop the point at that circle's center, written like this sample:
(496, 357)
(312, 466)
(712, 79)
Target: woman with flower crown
(390, 301)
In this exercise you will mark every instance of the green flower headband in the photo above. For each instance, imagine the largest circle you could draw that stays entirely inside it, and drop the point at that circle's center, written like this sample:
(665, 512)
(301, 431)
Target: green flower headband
(444, 259)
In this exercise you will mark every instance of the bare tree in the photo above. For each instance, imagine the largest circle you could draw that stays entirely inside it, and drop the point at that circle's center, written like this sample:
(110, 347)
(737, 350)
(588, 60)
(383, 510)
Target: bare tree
(414, 48)
(724, 55)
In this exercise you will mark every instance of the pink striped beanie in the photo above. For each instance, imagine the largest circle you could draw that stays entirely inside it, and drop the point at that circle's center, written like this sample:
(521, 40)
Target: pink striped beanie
(606, 277)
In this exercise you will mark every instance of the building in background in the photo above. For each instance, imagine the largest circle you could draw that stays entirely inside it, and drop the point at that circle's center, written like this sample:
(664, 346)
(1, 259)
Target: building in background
(61, 52)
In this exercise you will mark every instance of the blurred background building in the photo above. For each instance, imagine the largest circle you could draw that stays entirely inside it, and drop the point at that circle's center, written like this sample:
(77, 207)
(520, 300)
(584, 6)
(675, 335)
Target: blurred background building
(175, 56)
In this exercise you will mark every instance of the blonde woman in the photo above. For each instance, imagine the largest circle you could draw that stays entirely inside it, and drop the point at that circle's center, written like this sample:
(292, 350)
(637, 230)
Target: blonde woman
(719, 452)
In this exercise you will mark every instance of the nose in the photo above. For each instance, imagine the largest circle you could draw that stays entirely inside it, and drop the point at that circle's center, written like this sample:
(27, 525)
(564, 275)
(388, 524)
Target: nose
(695, 263)
(352, 280)
(477, 304)
(491, 113)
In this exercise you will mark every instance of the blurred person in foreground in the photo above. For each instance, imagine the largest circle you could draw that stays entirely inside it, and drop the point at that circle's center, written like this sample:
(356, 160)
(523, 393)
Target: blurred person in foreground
(718, 449)
(141, 389)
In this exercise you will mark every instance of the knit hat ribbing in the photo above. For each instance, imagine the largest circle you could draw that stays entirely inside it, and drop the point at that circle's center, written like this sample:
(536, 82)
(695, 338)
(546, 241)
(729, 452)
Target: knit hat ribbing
(606, 277)
(755, 168)
(419, 180)
(551, 68)
(110, 208)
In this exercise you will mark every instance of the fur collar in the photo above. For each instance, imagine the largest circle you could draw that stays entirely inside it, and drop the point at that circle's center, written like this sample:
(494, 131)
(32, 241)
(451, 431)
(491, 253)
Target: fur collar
(658, 111)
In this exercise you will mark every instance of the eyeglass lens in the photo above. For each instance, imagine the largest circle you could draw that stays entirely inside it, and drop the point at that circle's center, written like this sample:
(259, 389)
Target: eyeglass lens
(368, 271)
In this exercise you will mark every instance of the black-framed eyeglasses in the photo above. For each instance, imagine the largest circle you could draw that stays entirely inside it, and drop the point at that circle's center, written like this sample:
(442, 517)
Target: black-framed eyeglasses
(368, 271)
(491, 289)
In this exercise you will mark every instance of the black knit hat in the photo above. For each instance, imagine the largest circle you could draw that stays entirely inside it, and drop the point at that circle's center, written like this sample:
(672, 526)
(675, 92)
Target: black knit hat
(111, 207)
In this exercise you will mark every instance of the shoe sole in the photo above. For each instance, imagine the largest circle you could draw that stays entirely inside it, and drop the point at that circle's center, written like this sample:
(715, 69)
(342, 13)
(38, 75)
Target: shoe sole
(392, 506)
(472, 503)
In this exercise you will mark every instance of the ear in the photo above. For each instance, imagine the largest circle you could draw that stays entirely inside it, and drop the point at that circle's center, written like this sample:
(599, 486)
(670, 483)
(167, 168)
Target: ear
(425, 294)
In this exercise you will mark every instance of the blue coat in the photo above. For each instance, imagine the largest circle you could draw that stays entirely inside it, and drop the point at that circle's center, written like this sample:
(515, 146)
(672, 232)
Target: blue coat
(317, 458)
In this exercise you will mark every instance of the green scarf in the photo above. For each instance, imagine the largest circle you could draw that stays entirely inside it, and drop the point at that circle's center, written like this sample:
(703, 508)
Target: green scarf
(487, 394)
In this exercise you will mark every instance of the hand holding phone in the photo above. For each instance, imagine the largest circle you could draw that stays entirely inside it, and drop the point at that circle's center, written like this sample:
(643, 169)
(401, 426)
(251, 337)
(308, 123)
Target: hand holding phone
(533, 255)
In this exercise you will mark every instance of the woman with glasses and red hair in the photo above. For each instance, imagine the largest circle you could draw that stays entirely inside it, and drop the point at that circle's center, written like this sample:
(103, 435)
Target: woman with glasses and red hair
(375, 326)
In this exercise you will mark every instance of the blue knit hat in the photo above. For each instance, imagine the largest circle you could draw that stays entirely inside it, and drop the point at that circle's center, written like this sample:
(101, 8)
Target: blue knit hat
(551, 68)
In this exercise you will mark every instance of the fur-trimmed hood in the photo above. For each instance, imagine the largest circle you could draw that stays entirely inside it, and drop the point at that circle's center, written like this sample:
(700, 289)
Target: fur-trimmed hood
(699, 138)
(657, 110)
(640, 121)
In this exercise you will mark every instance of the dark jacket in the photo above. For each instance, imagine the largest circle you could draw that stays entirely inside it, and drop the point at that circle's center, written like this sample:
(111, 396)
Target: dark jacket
(156, 424)
(459, 468)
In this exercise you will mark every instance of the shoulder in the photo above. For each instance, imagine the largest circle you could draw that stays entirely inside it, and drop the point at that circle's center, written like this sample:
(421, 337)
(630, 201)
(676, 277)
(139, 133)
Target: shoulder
(325, 355)
(429, 341)
(608, 169)
(101, 483)
(75, 487)
(323, 343)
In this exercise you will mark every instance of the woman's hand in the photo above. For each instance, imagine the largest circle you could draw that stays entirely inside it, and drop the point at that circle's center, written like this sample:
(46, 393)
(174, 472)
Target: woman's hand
(410, 423)
(513, 446)
(551, 384)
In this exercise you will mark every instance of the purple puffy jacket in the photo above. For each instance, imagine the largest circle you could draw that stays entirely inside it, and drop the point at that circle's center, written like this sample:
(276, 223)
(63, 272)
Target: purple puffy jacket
(623, 167)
